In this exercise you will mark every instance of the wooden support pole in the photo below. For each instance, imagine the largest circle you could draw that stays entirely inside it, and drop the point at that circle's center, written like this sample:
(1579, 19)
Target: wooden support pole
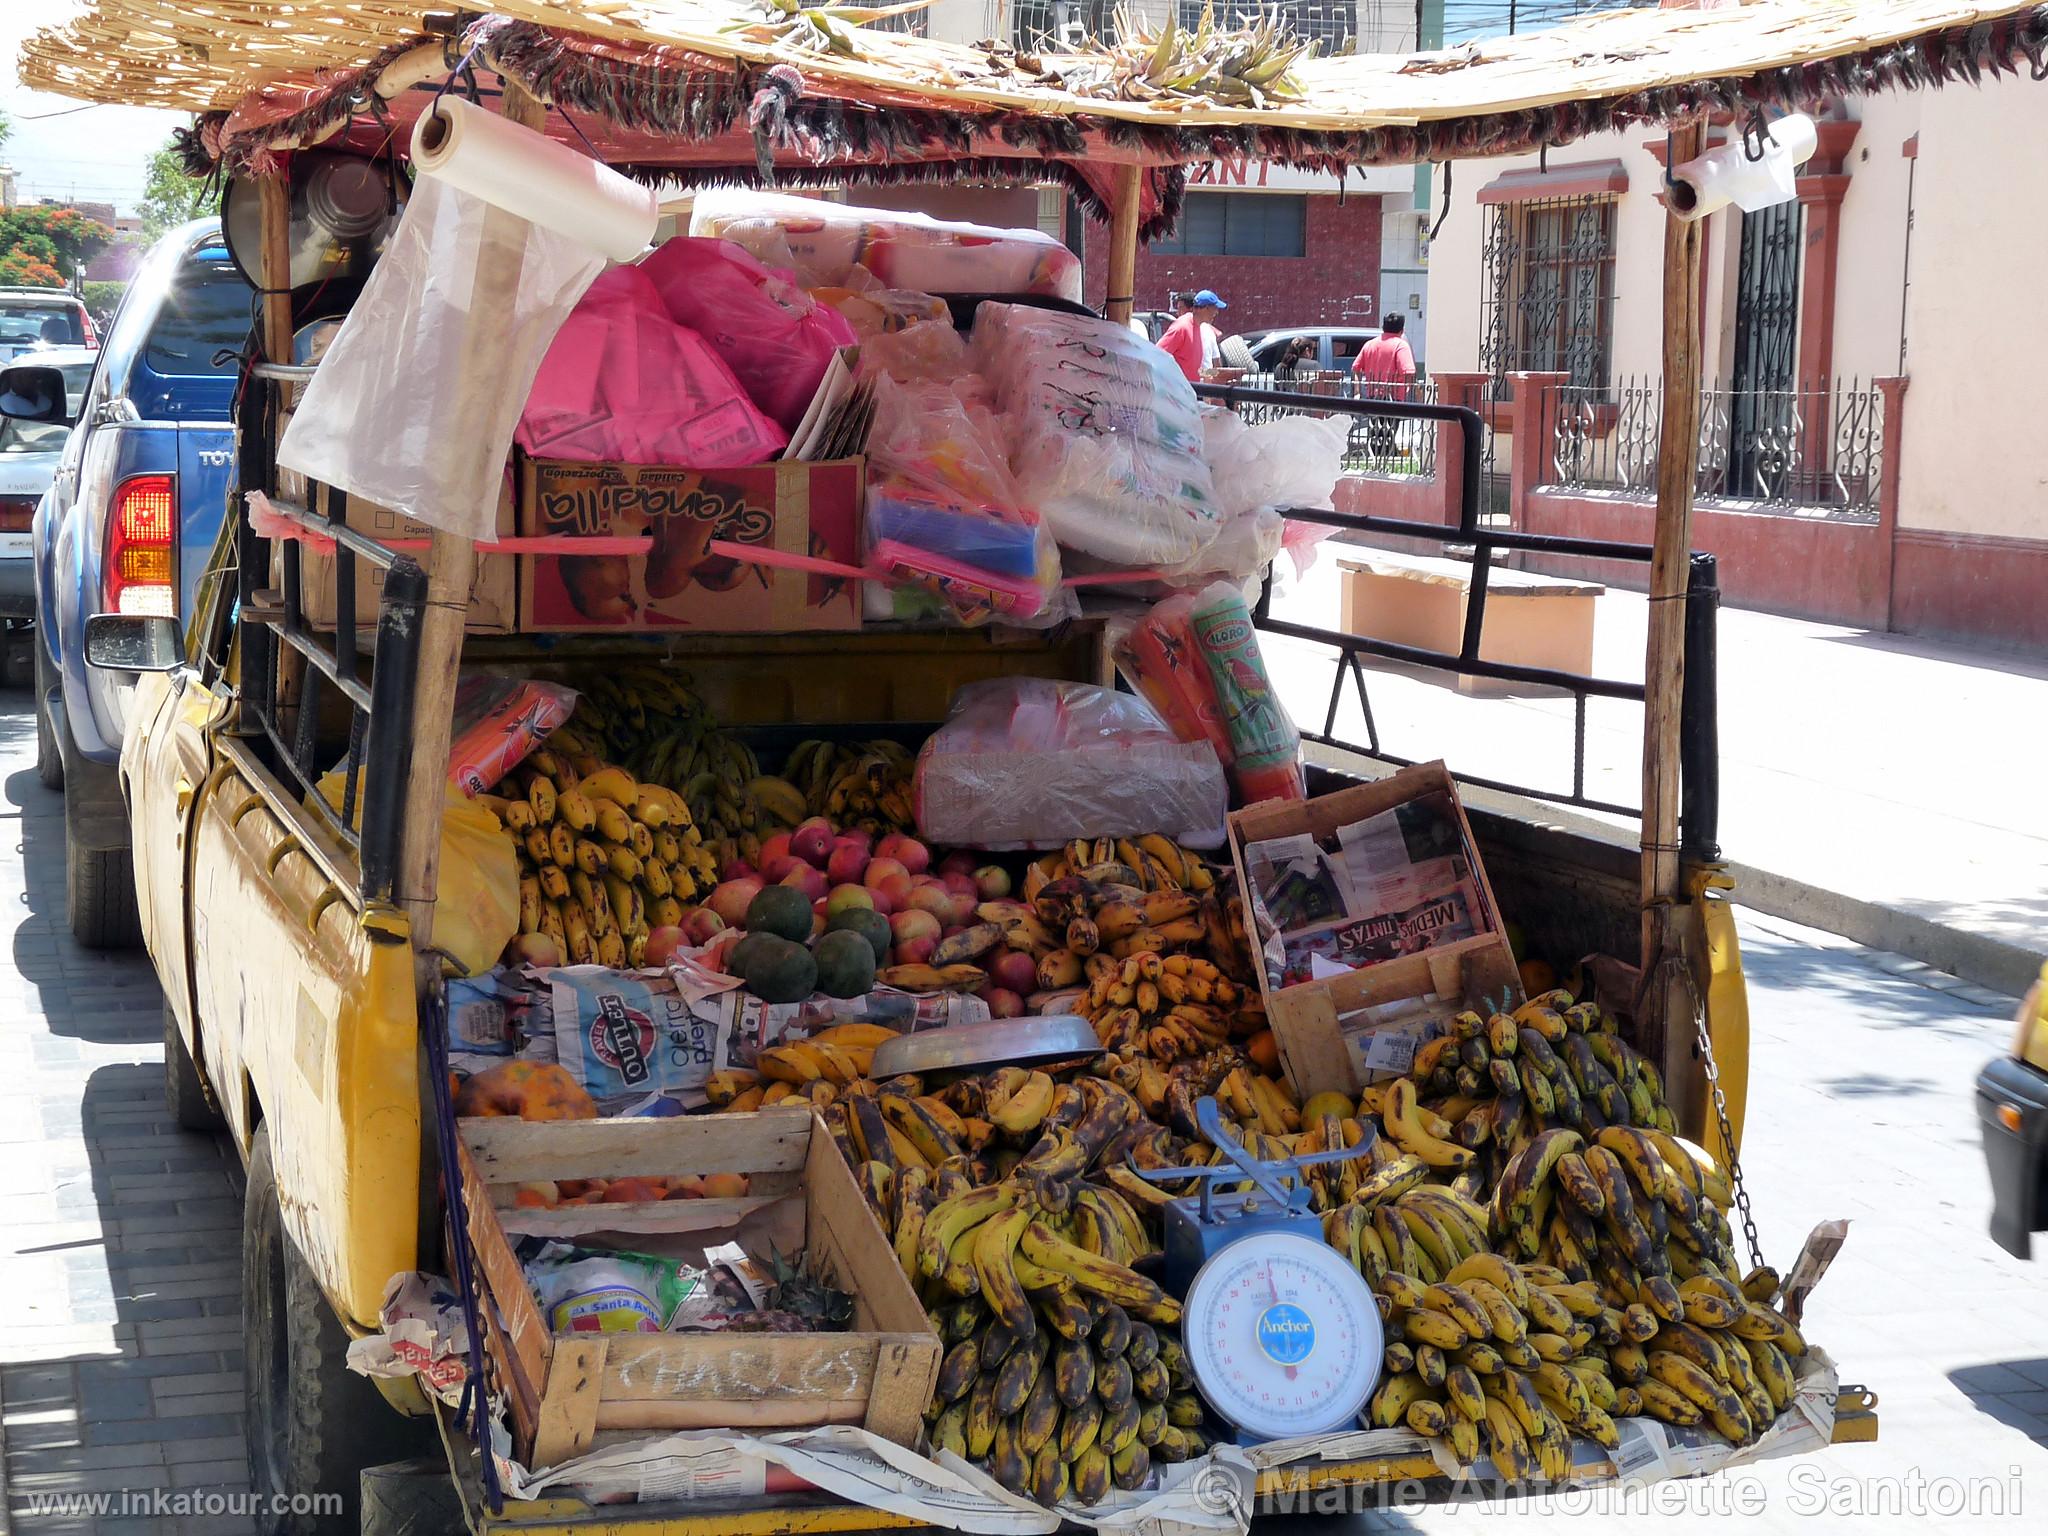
(1123, 243)
(1664, 919)
(451, 565)
(274, 211)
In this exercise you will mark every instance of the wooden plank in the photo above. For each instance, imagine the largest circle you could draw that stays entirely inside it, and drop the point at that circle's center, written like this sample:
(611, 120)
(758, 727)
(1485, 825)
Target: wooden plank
(838, 1219)
(1128, 195)
(895, 1407)
(529, 1346)
(767, 1414)
(569, 1409)
(512, 1151)
(740, 1367)
(1664, 659)
(563, 1221)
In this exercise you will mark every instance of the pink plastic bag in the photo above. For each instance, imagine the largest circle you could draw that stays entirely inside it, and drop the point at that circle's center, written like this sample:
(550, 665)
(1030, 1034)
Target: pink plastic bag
(624, 383)
(1029, 762)
(777, 339)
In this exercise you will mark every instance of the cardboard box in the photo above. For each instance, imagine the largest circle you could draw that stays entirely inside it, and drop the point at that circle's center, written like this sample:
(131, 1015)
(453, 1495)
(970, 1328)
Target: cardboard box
(1343, 1032)
(564, 1389)
(493, 589)
(797, 508)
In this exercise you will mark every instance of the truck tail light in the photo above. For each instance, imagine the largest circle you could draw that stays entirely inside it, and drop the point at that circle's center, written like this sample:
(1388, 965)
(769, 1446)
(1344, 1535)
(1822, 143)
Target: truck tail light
(142, 530)
(17, 513)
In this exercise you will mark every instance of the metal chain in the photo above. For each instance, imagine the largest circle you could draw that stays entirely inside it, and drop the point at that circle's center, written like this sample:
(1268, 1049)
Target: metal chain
(1728, 1152)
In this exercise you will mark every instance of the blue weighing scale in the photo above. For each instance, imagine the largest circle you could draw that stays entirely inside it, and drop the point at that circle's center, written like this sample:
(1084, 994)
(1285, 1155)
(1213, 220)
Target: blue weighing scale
(1282, 1334)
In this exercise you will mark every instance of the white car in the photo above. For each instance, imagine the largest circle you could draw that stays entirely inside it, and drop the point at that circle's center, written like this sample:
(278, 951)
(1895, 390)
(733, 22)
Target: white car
(29, 452)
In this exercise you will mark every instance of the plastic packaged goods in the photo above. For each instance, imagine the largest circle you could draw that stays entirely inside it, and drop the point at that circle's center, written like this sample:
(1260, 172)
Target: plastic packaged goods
(1265, 747)
(774, 336)
(1159, 658)
(824, 241)
(498, 720)
(1104, 435)
(624, 383)
(1028, 762)
(877, 311)
(416, 401)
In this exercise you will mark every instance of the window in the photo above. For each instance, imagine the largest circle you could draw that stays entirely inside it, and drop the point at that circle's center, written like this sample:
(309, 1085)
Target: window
(205, 314)
(1239, 224)
(1547, 297)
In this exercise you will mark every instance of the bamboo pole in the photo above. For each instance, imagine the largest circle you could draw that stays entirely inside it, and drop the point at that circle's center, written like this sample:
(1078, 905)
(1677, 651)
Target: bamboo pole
(274, 210)
(451, 565)
(1664, 912)
(1123, 243)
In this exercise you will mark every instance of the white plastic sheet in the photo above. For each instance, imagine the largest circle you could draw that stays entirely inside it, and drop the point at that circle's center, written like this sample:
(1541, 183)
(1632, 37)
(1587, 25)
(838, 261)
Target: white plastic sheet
(415, 402)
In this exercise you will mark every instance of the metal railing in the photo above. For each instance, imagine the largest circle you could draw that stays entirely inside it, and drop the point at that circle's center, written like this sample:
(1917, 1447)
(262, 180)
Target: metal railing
(272, 624)
(1699, 767)
(1378, 445)
(1819, 445)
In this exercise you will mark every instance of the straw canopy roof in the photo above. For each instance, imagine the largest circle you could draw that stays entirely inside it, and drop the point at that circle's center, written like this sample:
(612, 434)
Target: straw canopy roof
(706, 90)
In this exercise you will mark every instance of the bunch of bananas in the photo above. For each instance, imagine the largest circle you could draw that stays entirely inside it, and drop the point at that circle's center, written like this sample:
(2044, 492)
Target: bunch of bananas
(864, 785)
(814, 1069)
(1486, 1353)
(602, 859)
(1639, 1217)
(1062, 1370)
(1148, 863)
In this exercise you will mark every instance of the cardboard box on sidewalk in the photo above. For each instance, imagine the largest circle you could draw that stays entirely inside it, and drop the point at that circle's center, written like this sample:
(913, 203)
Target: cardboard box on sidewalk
(797, 508)
(1444, 951)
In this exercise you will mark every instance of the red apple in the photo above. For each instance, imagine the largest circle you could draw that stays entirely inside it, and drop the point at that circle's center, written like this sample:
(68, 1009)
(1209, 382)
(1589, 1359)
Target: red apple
(811, 882)
(914, 924)
(896, 890)
(736, 869)
(912, 854)
(993, 881)
(958, 862)
(961, 885)
(879, 870)
(775, 867)
(731, 898)
(860, 835)
(915, 951)
(812, 842)
(844, 897)
(663, 944)
(1015, 971)
(773, 847)
(847, 862)
(701, 924)
(935, 899)
(1003, 1003)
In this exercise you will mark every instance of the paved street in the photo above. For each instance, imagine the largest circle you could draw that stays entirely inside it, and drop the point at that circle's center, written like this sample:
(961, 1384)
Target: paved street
(120, 1290)
(1900, 772)
(119, 1359)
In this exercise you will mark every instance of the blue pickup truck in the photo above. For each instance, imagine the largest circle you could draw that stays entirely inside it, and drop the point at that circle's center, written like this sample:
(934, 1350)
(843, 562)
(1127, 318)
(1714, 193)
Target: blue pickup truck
(126, 527)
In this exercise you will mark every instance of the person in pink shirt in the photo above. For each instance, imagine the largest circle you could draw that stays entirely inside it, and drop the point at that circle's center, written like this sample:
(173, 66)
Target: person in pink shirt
(1191, 340)
(1385, 366)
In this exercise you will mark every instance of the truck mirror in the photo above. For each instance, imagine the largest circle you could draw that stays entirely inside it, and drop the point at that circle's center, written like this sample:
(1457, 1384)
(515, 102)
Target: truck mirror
(121, 642)
(30, 392)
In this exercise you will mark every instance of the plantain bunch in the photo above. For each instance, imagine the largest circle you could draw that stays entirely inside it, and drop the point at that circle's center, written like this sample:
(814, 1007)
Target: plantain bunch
(863, 785)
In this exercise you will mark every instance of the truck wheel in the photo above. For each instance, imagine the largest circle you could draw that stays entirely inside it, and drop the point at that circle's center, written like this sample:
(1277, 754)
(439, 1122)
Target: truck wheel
(184, 1096)
(99, 893)
(49, 755)
(313, 1424)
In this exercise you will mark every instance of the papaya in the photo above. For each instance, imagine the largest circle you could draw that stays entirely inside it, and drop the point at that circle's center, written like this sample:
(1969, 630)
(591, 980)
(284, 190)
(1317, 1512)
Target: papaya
(782, 911)
(869, 924)
(846, 964)
(781, 972)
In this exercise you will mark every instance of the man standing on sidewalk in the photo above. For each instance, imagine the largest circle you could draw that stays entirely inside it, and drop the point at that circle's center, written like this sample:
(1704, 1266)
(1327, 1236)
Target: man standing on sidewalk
(1191, 340)
(1385, 368)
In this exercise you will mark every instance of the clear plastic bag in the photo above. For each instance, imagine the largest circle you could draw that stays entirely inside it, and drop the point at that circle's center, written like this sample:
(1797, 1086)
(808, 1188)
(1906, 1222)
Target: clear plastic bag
(777, 340)
(625, 383)
(1029, 762)
(1103, 434)
(415, 402)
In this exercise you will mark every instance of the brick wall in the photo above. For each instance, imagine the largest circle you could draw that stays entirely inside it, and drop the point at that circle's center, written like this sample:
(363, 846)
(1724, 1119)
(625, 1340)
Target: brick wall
(1336, 283)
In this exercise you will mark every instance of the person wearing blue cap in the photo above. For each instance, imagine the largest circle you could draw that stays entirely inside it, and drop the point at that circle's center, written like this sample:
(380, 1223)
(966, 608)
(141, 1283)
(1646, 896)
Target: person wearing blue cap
(1191, 340)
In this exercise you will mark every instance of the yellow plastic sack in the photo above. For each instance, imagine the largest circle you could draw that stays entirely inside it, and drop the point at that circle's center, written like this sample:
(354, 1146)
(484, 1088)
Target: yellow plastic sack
(476, 897)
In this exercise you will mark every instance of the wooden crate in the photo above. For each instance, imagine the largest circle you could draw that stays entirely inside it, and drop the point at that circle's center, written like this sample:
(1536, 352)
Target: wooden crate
(564, 1389)
(1305, 1018)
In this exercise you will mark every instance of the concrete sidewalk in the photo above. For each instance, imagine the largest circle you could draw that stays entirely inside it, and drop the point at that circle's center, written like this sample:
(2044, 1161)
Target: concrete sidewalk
(1878, 786)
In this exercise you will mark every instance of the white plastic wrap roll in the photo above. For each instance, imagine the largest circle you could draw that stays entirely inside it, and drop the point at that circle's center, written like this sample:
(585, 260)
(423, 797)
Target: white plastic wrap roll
(527, 173)
(1727, 175)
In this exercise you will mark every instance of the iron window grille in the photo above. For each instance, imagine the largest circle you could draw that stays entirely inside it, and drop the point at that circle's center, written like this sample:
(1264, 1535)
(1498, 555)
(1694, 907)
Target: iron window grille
(1547, 290)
